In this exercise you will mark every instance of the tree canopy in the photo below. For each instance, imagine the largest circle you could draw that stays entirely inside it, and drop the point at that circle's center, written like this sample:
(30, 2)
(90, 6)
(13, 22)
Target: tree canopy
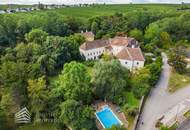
(109, 79)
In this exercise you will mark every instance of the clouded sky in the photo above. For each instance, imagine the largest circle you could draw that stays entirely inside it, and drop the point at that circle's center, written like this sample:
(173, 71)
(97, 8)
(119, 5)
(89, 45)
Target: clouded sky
(88, 1)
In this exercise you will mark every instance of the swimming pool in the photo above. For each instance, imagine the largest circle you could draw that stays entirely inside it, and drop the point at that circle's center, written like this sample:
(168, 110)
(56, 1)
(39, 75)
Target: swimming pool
(107, 118)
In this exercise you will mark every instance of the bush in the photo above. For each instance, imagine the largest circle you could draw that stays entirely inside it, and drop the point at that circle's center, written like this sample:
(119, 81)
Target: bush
(133, 111)
(3, 120)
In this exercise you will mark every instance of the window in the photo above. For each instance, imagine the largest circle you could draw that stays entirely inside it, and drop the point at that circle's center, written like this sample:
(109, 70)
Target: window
(137, 63)
(126, 62)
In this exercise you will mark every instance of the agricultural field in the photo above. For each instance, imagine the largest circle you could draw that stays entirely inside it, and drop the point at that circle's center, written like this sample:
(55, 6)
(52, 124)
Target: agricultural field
(41, 66)
(13, 6)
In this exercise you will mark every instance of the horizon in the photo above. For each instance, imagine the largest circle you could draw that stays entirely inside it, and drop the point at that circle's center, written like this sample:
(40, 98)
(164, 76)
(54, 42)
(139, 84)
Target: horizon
(72, 2)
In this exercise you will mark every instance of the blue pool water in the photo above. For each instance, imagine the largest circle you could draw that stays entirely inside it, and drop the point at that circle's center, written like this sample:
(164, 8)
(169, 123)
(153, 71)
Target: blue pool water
(107, 118)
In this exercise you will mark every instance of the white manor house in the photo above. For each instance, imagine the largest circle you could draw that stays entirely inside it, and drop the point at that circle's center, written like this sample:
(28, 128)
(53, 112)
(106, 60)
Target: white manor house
(125, 49)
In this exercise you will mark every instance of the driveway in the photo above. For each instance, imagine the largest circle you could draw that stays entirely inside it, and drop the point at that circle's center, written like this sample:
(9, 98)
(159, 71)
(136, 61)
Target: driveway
(159, 100)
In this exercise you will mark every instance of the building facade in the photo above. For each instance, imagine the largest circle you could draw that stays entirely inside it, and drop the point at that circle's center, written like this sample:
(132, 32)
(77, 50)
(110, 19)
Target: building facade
(125, 49)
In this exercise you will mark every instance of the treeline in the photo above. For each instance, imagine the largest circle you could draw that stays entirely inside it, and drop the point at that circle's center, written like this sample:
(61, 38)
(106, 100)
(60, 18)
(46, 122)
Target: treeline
(14, 27)
(26, 69)
(36, 48)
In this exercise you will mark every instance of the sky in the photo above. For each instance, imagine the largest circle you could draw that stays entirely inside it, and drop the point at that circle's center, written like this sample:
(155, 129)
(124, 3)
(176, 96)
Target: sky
(88, 1)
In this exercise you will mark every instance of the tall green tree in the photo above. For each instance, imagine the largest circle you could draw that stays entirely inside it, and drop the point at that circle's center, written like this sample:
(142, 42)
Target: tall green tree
(38, 95)
(14, 75)
(137, 34)
(74, 82)
(76, 116)
(140, 82)
(47, 64)
(109, 79)
(152, 32)
(165, 40)
(177, 60)
(37, 36)
(3, 120)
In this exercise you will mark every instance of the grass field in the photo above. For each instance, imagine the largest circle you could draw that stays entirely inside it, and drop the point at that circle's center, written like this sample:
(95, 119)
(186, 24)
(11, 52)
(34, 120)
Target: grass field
(101, 10)
(87, 12)
(177, 81)
(3, 7)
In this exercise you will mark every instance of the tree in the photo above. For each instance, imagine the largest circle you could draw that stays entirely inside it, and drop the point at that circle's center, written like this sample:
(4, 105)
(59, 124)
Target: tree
(58, 49)
(165, 40)
(47, 64)
(152, 32)
(3, 36)
(38, 95)
(155, 70)
(3, 120)
(137, 34)
(63, 50)
(9, 25)
(74, 42)
(140, 82)
(22, 28)
(177, 60)
(37, 36)
(76, 116)
(109, 79)
(117, 128)
(107, 57)
(28, 53)
(74, 82)
(14, 75)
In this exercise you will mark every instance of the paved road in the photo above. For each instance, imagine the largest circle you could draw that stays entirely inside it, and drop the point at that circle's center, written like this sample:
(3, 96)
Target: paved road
(185, 125)
(160, 101)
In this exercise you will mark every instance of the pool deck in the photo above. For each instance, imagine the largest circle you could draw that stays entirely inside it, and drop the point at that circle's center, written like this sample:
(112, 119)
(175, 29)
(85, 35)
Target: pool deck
(98, 107)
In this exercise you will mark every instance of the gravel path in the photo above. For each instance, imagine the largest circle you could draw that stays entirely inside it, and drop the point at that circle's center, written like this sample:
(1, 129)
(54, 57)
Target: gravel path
(159, 100)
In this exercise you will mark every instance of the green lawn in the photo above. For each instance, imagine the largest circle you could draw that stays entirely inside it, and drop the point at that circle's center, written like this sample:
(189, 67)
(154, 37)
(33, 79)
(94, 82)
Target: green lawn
(41, 126)
(131, 100)
(177, 81)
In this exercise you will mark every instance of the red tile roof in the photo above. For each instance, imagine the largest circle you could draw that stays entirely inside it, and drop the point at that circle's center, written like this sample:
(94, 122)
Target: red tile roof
(131, 54)
(94, 44)
(124, 54)
(119, 41)
(109, 48)
(136, 53)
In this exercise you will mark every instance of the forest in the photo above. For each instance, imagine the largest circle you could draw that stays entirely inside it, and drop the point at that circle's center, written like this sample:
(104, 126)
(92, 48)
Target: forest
(41, 67)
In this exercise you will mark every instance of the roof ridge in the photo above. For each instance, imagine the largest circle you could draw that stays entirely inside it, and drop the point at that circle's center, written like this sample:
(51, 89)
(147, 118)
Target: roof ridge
(128, 53)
